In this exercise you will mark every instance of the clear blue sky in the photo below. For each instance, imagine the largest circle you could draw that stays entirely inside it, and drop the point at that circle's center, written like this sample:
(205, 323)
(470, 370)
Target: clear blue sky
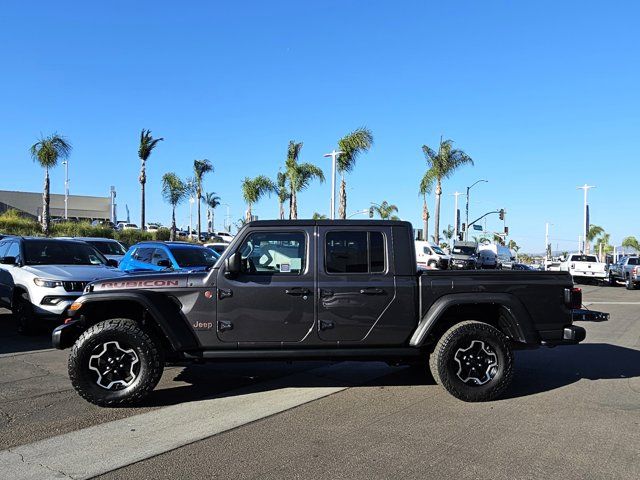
(544, 96)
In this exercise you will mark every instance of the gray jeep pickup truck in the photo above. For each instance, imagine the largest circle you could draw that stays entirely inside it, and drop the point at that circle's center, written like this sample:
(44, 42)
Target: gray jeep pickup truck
(316, 290)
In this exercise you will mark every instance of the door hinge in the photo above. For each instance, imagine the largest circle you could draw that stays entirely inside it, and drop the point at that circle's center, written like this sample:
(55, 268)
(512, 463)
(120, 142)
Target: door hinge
(222, 293)
(224, 325)
(326, 325)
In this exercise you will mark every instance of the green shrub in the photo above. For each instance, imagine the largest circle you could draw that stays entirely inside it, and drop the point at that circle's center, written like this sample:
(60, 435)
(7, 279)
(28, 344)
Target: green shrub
(131, 237)
(162, 234)
(12, 223)
(79, 229)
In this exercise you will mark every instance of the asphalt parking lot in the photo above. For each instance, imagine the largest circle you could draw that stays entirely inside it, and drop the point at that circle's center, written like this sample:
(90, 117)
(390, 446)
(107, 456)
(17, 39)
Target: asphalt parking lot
(572, 412)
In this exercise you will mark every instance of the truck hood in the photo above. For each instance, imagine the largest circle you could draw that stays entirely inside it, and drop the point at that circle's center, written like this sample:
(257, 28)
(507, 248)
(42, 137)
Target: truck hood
(142, 281)
(76, 273)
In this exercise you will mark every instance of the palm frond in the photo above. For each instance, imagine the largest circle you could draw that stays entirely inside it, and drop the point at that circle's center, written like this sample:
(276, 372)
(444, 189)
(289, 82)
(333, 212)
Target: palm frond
(49, 150)
(147, 144)
(174, 190)
(351, 146)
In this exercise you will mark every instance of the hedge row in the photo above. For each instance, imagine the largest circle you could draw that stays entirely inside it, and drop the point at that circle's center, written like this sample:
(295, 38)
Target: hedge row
(12, 223)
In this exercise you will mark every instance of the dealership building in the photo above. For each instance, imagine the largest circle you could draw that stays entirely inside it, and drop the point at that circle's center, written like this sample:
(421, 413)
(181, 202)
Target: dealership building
(79, 207)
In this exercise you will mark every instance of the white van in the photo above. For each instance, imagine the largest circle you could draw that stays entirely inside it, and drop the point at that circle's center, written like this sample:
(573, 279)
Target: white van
(495, 256)
(431, 256)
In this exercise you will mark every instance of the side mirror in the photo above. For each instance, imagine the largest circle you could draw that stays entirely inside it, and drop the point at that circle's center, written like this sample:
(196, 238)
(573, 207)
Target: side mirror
(164, 263)
(8, 260)
(112, 263)
(232, 264)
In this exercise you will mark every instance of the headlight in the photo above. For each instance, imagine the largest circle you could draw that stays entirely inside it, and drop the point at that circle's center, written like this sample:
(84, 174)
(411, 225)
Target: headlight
(47, 283)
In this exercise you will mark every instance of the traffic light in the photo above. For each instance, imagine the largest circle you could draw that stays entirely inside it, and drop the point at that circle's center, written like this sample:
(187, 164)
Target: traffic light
(506, 230)
(502, 214)
(464, 227)
(370, 212)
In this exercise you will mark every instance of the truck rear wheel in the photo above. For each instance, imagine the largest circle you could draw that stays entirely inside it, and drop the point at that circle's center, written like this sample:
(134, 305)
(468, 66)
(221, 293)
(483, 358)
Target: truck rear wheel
(115, 362)
(473, 361)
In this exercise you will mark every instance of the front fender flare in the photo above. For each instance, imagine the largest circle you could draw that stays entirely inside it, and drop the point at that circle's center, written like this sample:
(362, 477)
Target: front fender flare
(518, 320)
(165, 312)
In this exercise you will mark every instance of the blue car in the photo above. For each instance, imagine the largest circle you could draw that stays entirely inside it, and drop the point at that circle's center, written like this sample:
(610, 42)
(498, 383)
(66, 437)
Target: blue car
(165, 256)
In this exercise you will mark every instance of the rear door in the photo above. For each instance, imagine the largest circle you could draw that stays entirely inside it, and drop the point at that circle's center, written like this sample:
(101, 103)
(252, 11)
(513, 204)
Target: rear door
(355, 281)
(271, 299)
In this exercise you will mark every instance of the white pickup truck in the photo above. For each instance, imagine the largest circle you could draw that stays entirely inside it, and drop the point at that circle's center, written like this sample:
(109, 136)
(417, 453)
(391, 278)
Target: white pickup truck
(583, 266)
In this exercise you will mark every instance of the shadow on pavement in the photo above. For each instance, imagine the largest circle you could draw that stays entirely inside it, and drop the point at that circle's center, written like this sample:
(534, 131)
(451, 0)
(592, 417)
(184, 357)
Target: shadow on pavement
(12, 342)
(537, 371)
(547, 369)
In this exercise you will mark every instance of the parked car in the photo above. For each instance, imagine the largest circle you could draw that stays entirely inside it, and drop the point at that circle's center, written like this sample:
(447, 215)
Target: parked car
(319, 289)
(165, 256)
(626, 269)
(127, 226)
(584, 267)
(523, 267)
(103, 223)
(225, 236)
(153, 227)
(41, 277)
(431, 255)
(110, 248)
(218, 247)
(464, 255)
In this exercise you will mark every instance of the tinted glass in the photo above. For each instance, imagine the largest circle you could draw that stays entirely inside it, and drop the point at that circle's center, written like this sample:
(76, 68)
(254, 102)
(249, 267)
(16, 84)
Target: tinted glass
(438, 250)
(463, 250)
(376, 240)
(143, 254)
(47, 252)
(632, 261)
(158, 255)
(108, 248)
(272, 253)
(3, 248)
(583, 258)
(346, 252)
(194, 257)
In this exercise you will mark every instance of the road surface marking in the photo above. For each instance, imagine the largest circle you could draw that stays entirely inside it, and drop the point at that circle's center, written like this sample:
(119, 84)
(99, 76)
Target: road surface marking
(27, 352)
(102, 448)
(611, 303)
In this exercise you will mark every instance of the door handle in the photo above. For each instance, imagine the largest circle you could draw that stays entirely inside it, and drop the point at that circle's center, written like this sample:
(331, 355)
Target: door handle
(372, 291)
(297, 291)
(224, 325)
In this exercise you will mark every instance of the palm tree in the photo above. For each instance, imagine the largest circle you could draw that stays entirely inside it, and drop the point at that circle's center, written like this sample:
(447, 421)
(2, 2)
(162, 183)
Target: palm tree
(200, 169)
(147, 144)
(174, 191)
(351, 146)
(385, 210)
(497, 239)
(592, 233)
(426, 186)
(282, 191)
(212, 201)
(631, 242)
(299, 176)
(602, 245)
(253, 189)
(447, 233)
(442, 165)
(47, 151)
(319, 216)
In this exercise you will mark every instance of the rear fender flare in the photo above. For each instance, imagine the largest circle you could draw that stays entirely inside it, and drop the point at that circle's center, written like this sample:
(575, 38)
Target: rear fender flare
(517, 321)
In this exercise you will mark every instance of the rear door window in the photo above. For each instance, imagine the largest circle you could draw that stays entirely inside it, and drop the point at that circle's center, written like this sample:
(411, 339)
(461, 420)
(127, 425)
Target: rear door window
(143, 254)
(354, 252)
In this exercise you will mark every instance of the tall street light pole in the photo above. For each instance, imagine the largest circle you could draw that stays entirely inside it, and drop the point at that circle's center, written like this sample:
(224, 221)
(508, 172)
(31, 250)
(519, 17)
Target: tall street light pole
(546, 240)
(334, 155)
(466, 230)
(66, 189)
(227, 219)
(456, 220)
(585, 231)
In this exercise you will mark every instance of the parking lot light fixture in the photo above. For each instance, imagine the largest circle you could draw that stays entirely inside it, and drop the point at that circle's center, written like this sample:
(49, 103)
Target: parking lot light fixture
(334, 155)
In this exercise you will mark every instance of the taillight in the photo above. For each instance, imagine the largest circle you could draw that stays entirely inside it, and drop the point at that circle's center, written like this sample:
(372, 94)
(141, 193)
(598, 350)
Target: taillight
(573, 297)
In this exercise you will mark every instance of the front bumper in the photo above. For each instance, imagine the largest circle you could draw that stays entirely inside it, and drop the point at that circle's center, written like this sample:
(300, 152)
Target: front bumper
(64, 336)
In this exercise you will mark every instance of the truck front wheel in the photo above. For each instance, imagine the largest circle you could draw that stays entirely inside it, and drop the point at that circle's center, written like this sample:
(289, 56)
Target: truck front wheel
(473, 361)
(115, 362)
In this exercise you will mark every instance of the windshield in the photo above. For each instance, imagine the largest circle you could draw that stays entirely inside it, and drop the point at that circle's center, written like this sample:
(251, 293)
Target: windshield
(108, 248)
(464, 250)
(438, 250)
(47, 252)
(194, 257)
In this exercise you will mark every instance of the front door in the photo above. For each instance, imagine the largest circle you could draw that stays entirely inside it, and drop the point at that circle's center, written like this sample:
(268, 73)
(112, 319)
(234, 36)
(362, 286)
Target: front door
(271, 299)
(355, 282)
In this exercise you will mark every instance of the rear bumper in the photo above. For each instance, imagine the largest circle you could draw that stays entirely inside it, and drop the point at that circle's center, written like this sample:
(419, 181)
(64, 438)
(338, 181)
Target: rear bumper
(569, 335)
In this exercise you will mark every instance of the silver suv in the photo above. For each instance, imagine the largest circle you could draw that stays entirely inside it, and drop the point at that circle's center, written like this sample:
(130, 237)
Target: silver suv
(41, 277)
(626, 269)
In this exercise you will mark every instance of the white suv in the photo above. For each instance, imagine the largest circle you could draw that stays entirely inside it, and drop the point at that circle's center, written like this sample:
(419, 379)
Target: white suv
(41, 277)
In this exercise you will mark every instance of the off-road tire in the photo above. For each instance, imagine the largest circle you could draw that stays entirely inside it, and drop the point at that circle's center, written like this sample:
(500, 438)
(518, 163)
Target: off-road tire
(444, 366)
(628, 283)
(24, 315)
(127, 333)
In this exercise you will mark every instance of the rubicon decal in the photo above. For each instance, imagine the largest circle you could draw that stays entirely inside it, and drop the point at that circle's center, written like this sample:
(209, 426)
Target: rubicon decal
(138, 284)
